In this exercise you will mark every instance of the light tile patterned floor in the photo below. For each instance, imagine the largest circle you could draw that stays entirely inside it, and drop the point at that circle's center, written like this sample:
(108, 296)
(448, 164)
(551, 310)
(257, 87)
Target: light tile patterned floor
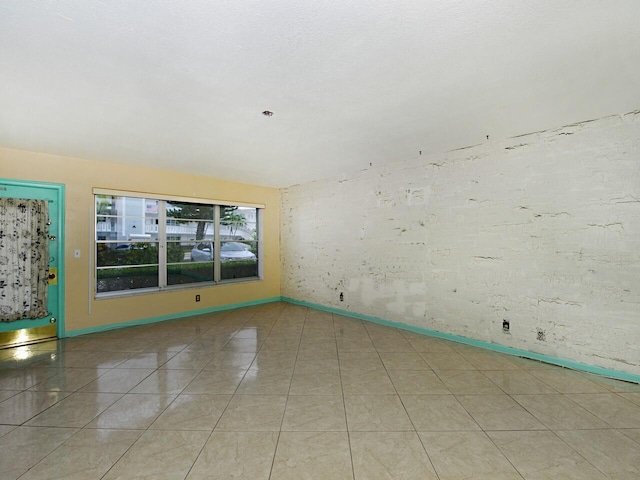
(285, 392)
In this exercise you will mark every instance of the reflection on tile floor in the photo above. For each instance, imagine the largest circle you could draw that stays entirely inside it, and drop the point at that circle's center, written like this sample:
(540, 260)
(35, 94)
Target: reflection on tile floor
(281, 391)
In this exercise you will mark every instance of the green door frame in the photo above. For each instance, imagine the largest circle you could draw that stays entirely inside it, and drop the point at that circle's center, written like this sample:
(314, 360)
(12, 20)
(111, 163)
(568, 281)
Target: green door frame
(59, 190)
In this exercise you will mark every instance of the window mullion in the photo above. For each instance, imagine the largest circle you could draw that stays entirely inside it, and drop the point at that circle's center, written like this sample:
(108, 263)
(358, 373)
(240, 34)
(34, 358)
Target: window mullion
(259, 243)
(130, 253)
(216, 244)
(162, 243)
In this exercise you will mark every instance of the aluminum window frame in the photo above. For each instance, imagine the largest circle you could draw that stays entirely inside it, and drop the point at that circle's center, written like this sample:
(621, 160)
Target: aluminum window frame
(162, 242)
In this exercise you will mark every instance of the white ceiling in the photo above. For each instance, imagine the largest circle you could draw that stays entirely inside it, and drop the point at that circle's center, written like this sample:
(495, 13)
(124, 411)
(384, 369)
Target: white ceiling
(181, 85)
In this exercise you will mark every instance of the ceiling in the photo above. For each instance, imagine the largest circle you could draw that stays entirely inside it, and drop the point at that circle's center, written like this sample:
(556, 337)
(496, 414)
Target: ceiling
(180, 85)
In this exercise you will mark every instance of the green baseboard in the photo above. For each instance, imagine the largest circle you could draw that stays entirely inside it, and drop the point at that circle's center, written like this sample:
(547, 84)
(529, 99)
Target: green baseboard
(616, 374)
(174, 316)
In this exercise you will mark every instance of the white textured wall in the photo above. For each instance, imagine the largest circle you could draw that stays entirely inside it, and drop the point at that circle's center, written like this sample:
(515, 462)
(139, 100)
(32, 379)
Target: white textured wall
(542, 230)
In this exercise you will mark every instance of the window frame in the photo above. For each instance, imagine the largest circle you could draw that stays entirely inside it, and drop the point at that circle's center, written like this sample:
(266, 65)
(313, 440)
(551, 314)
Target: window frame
(162, 241)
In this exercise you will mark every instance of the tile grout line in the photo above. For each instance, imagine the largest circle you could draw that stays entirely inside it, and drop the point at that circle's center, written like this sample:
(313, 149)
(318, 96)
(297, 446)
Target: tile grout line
(284, 411)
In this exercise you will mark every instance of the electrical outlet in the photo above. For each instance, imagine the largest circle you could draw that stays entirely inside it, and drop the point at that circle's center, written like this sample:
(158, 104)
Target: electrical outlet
(197, 298)
(505, 326)
(541, 335)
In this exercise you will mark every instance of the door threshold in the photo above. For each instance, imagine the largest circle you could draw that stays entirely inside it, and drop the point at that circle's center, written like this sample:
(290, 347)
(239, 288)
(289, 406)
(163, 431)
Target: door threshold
(27, 336)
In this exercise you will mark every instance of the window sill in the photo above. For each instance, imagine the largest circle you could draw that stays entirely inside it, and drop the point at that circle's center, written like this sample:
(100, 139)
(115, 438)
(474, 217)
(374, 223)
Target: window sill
(173, 288)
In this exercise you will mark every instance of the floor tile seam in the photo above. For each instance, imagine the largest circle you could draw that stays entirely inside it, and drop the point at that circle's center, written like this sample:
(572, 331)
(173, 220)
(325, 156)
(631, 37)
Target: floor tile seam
(426, 451)
(536, 394)
(51, 451)
(240, 328)
(344, 403)
(353, 468)
(421, 430)
(623, 428)
(567, 396)
(511, 396)
(555, 433)
(284, 411)
(199, 369)
(28, 389)
(576, 407)
(35, 427)
(175, 396)
(397, 393)
(562, 370)
(115, 429)
(16, 425)
(475, 393)
(9, 431)
(124, 453)
(448, 392)
(121, 396)
(529, 411)
(204, 445)
(491, 381)
(156, 394)
(24, 424)
(542, 429)
(516, 469)
(135, 368)
(441, 379)
(41, 426)
(617, 395)
(489, 429)
(174, 400)
(125, 393)
(620, 392)
(554, 391)
(17, 392)
(601, 381)
(151, 428)
(275, 451)
(467, 411)
(636, 440)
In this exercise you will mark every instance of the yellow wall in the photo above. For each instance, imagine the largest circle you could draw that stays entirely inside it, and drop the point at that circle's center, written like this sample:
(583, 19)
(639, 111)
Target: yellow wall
(81, 176)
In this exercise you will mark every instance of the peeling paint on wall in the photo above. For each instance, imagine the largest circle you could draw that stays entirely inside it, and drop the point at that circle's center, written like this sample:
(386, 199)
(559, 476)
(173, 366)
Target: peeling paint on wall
(545, 228)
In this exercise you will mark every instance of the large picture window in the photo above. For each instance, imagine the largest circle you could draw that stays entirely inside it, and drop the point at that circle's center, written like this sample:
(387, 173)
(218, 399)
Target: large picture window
(146, 243)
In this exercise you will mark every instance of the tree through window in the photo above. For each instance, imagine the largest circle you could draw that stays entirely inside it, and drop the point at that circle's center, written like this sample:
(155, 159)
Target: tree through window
(144, 243)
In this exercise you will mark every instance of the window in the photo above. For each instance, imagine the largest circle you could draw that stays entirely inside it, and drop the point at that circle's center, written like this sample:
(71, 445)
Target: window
(144, 243)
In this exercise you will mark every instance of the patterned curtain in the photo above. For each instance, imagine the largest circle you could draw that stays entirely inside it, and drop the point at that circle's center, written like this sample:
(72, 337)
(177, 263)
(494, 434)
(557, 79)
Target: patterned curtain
(24, 258)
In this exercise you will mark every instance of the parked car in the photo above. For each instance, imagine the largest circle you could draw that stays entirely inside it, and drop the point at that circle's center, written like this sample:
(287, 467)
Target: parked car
(230, 251)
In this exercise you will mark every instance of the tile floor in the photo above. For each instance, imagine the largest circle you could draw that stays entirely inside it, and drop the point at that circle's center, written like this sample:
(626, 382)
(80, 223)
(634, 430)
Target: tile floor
(284, 392)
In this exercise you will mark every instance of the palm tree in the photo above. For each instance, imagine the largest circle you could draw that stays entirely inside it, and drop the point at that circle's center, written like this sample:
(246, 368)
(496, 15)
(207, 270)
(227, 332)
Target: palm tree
(192, 211)
(232, 219)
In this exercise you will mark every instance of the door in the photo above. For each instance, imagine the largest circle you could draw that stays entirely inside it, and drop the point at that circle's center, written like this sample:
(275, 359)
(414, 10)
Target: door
(53, 323)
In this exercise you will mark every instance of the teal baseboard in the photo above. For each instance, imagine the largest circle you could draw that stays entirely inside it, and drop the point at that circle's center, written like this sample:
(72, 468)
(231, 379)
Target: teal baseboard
(174, 316)
(616, 374)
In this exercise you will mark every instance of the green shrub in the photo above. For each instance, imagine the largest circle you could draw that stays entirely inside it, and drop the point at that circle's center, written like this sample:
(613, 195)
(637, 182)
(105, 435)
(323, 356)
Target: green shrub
(129, 278)
(239, 269)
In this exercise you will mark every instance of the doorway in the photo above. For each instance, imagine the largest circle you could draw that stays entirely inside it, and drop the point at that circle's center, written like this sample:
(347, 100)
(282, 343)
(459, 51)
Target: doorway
(50, 326)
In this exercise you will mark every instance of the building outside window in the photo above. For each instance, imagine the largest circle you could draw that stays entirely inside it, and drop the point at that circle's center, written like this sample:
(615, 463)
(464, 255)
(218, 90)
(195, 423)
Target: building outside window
(153, 244)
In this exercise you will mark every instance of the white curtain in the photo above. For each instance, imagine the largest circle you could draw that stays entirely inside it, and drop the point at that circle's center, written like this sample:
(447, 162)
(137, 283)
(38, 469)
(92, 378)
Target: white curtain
(24, 258)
